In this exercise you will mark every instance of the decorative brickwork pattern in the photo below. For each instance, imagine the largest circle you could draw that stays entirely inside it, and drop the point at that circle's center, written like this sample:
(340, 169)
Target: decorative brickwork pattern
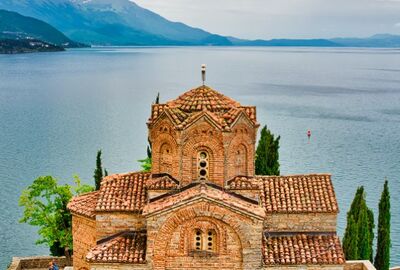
(123, 192)
(302, 249)
(84, 204)
(129, 247)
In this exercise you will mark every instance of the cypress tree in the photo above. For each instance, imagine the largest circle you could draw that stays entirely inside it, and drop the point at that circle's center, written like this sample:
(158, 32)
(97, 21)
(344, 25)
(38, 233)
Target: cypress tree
(364, 240)
(350, 244)
(267, 154)
(371, 233)
(98, 172)
(382, 257)
(364, 219)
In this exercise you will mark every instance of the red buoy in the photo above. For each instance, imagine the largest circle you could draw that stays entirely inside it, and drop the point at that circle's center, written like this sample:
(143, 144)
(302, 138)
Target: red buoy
(308, 133)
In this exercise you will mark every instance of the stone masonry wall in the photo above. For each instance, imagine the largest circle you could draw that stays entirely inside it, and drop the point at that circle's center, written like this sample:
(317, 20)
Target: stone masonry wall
(170, 234)
(108, 224)
(84, 232)
(35, 262)
(305, 222)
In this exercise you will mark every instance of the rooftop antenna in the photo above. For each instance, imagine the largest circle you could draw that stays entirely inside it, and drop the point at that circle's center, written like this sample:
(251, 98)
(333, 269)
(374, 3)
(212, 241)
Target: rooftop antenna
(203, 73)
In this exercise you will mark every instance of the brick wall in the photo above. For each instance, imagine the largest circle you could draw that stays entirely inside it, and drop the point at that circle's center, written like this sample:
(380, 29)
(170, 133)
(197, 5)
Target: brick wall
(305, 267)
(170, 234)
(111, 223)
(230, 153)
(118, 266)
(240, 149)
(84, 232)
(319, 222)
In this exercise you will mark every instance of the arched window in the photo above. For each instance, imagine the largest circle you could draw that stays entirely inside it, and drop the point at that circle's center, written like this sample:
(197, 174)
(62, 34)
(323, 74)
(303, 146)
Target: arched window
(204, 241)
(203, 165)
(241, 160)
(165, 158)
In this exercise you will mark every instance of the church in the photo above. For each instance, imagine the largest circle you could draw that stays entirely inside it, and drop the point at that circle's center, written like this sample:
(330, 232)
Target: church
(202, 206)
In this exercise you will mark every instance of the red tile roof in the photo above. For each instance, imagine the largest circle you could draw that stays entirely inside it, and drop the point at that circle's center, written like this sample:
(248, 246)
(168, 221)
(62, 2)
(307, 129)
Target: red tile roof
(203, 101)
(203, 98)
(298, 194)
(123, 192)
(243, 182)
(162, 182)
(84, 204)
(301, 249)
(128, 247)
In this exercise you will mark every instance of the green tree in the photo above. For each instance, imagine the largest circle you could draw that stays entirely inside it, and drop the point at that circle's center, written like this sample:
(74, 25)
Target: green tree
(45, 205)
(371, 232)
(350, 244)
(364, 239)
(382, 257)
(98, 172)
(267, 154)
(364, 219)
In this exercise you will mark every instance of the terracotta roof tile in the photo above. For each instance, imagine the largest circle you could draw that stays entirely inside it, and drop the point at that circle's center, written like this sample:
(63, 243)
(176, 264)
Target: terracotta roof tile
(243, 182)
(302, 249)
(162, 182)
(123, 192)
(194, 103)
(298, 194)
(130, 247)
(84, 204)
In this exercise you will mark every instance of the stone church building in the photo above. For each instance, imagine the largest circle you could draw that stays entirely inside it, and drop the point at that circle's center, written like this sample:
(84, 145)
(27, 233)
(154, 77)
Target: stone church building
(202, 206)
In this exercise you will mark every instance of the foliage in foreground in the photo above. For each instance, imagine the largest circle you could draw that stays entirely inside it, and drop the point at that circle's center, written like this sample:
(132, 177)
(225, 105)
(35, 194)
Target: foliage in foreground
(267, 154)
(45, 206)
(382, 258)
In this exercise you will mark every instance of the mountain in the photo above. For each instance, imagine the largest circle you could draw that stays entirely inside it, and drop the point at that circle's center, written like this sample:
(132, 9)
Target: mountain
(112, 22)
(15, 26)
(122, 22)
(285, 42)
(379, 40)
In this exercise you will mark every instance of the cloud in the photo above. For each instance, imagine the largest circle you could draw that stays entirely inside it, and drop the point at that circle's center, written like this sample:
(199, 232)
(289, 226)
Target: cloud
(397, 24)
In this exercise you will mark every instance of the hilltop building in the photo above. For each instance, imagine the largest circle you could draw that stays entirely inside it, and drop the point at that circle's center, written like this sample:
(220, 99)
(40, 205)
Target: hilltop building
(202, 206)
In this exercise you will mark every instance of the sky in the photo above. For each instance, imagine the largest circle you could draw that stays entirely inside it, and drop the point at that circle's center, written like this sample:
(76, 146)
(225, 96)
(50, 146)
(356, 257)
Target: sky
(267, 19)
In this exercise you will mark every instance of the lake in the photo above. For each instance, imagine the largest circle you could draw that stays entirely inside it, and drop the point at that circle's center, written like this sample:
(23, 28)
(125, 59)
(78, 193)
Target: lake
(58, 109)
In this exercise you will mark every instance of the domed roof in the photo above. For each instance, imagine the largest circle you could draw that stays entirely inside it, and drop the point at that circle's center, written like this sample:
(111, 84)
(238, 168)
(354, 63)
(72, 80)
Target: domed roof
(199, 101)
(203, 98)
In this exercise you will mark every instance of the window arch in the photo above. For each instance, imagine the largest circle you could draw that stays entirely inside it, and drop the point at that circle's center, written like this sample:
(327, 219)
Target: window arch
(203, 164)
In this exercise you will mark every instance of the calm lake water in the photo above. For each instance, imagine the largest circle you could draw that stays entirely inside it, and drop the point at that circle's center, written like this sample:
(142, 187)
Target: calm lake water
(58, 109)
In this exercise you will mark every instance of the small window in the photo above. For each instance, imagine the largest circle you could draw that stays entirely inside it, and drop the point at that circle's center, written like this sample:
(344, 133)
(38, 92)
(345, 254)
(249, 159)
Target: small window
(198, 240)
(210, 240)
(204, 241)
(202, 165)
